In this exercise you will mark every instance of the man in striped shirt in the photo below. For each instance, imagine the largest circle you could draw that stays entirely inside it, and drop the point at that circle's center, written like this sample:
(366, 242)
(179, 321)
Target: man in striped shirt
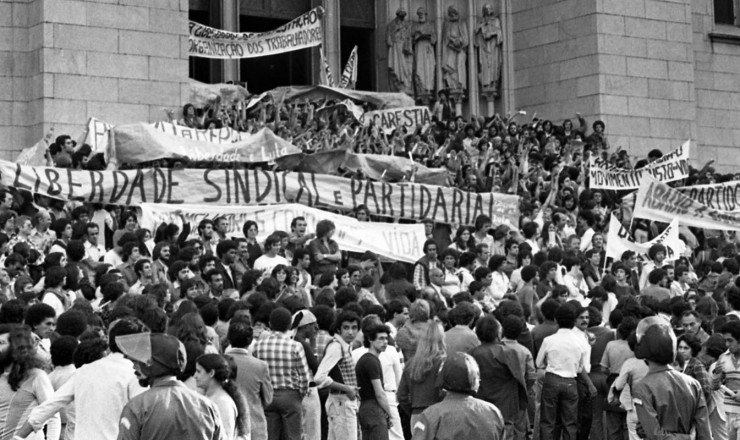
(289, 375)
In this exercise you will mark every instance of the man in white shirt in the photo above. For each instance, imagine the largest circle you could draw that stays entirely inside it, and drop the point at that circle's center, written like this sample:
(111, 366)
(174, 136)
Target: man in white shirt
(563, 356)
(573, 280)
(267, 261)
(100, 390)
(94, 251)
(391, 360)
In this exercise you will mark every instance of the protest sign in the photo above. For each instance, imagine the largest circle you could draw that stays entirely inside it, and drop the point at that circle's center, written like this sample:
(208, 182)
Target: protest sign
(136, 143)
(349, 74)
(389, 120)
(325, 78)
(394, 168)
(97, 136)
(251, 187)
(657, 201)
(403, 242)
(35, 155)
(618, 241)
(721, 196)
(303, 32)
(672, 166)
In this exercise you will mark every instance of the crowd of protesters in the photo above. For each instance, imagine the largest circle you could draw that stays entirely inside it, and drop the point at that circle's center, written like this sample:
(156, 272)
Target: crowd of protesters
(496, 332)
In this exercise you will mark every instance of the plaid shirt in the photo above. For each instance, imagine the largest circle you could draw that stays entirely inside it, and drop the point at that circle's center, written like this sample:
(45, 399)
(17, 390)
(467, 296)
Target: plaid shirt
(322, 338)
(286, 362)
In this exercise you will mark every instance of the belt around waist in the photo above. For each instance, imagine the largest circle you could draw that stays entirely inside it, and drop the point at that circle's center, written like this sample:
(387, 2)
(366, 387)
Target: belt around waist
(557, 376)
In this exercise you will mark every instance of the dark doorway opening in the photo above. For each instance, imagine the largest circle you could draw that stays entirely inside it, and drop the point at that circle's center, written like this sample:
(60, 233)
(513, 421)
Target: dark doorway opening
(363, 39)
(200, 68)
(265, 73)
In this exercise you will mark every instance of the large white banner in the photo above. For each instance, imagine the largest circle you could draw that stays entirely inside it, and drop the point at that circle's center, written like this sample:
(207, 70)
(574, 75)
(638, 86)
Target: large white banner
(658, 201)
(218, 187)
(672, 166)
(391, 119)
(720, 196)
(618, 241)
(303, 32)
(136, 143)
(403, 242)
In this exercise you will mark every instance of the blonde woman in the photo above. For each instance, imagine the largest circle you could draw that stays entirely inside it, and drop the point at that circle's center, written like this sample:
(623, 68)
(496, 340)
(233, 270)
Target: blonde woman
(417, 390)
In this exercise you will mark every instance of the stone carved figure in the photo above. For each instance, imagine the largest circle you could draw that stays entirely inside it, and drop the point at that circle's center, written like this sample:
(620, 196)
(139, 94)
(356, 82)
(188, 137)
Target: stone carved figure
(489, 40)
(454, 51)
(400, 53)
(424, 38)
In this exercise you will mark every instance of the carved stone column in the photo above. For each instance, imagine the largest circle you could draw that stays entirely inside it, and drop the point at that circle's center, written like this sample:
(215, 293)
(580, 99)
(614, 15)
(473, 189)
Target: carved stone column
(473, 104)
(490, 95)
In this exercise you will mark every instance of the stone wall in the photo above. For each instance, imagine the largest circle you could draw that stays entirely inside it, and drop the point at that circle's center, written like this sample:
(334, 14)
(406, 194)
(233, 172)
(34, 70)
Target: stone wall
(556, 61)
(717, 84)
(117, 60)
(647, 83)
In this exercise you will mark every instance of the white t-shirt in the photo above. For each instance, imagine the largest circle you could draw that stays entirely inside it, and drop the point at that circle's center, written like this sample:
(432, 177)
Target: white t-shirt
(265, 264)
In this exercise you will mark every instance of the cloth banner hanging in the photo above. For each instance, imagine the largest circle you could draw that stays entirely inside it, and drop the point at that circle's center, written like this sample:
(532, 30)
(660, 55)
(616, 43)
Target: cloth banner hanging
(658, 201)
(403, 242)
(218, 187)
(671, 167)
(300, 33)
(349, 74)
(720, 196)
(618, 241)
(136, 143)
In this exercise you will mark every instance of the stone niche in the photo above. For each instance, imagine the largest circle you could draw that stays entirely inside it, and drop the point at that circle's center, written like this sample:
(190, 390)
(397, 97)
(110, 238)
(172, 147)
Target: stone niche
(468, 58)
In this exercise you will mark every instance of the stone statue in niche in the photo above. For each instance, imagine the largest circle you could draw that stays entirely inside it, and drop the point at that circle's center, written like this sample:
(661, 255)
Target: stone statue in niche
(424, 37)
(454, 51)
(489, 40)
(400, 53)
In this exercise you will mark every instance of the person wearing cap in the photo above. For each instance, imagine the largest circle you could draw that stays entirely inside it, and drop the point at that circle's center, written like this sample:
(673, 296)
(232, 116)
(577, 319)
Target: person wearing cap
(168, 409)
(337, 372)
(564, 356)
(306, 327)
(289, 374)
(460, 415)
(98, 412)
(669, 404)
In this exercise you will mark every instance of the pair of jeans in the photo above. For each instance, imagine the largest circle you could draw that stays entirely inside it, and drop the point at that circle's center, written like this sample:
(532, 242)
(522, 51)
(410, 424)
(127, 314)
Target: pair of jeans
(342, 415)
(284, 415)
(373, 422)
(559, 408)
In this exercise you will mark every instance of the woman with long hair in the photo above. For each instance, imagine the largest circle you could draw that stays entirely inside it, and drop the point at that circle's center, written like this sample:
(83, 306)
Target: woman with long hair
(417, 390)
(192, 328)
(215, 375)
(250, 230)
(464, 240)
(23, 384)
